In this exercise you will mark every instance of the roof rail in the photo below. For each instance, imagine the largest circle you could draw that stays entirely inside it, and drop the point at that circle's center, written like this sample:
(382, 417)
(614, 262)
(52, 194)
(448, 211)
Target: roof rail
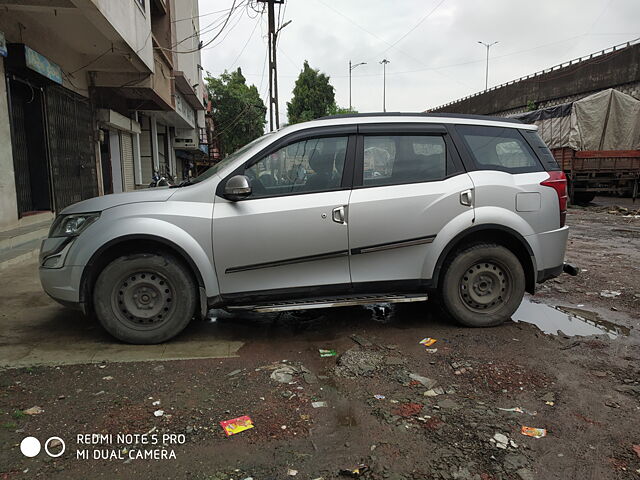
(420, 114)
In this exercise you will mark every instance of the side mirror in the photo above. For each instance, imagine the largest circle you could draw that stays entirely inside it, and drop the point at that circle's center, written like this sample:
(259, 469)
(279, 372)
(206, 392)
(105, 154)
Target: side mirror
(237, 188)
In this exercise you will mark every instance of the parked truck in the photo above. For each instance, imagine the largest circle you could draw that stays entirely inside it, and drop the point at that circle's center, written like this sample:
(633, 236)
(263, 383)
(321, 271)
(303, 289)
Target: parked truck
(596, 141)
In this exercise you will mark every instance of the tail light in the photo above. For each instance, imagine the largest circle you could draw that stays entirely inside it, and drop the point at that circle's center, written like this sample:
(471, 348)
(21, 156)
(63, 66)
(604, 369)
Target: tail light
(558, 181)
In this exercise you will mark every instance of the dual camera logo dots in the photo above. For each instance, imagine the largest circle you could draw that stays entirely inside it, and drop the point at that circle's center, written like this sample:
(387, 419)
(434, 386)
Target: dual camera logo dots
(30, 446)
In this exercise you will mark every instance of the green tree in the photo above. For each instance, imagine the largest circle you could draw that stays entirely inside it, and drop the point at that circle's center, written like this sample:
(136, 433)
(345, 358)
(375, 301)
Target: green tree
(313, 96)
(337, 110)
(238, 111)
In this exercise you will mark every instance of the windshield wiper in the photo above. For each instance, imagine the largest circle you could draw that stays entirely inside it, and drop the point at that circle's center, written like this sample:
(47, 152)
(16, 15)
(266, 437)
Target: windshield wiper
(184, 183)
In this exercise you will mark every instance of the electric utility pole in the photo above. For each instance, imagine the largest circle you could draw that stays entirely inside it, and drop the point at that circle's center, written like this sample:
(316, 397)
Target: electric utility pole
(273, 68)
(351, 68)
(486, 75)
(384, 84)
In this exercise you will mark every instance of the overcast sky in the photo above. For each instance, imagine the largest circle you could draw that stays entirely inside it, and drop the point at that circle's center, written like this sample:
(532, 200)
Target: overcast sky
(432, 44)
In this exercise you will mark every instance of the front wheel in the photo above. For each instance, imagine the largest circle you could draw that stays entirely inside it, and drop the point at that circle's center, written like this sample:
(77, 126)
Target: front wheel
(483, 285)
(145, 298)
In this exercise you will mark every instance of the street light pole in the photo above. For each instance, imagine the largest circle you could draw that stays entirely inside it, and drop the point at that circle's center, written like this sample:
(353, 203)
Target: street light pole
(486, 76)
(351, 68)
(384, 84)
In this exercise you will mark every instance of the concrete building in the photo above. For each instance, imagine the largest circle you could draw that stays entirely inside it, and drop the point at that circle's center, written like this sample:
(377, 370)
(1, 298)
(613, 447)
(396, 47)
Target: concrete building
(94, 96)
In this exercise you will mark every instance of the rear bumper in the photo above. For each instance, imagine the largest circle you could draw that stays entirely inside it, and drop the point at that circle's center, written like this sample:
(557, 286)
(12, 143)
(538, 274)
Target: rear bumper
(549, 273)
(549, 249)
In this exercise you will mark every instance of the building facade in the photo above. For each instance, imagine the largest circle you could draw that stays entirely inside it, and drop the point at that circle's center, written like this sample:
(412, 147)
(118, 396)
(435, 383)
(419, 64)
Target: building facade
(95, 95)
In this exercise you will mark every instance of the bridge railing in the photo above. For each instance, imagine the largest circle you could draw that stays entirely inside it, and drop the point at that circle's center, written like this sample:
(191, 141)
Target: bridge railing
(542, 72)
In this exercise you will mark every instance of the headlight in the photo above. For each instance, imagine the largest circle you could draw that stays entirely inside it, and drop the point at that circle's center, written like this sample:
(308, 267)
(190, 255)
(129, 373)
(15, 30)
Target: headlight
(72, 225)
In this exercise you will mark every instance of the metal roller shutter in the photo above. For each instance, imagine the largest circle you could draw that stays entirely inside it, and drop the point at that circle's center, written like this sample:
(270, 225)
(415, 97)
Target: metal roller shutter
(71, 147)
(126, 147)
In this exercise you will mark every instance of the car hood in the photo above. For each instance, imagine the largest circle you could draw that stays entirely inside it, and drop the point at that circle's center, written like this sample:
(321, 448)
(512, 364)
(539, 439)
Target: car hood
(97, 204)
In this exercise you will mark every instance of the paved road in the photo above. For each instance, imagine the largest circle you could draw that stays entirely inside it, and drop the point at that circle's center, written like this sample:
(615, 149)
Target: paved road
(37, 331)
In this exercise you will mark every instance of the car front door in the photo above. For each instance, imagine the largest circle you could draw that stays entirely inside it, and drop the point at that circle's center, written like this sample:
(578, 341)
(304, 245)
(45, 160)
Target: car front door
(408, 184)
(290, 235)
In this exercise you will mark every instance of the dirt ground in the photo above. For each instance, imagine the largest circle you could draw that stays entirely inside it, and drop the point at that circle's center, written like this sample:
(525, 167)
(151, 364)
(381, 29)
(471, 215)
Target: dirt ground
(403, 410)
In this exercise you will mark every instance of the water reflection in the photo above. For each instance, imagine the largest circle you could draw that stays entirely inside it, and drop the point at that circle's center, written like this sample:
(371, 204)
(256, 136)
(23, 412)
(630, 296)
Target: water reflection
(567, 320)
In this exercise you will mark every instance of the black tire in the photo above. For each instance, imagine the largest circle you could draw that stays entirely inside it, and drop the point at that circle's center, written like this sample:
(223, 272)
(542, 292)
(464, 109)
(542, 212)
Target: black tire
(145, 298)
(583, 198)
(482, 285)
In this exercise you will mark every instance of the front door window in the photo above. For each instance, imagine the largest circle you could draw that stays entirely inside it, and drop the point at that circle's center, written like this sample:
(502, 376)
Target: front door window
(308, 166)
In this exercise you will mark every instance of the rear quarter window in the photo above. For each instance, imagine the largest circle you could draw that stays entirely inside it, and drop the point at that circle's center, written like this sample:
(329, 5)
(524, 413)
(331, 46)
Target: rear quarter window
(499, 148)
(544, 154)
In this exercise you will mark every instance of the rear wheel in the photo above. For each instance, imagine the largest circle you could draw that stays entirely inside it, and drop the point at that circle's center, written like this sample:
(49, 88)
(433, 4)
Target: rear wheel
(483, 285)
(583, 198)
(145, 298)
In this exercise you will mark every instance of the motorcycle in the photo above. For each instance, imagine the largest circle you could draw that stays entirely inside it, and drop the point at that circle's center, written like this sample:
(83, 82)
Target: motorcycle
(161, 179)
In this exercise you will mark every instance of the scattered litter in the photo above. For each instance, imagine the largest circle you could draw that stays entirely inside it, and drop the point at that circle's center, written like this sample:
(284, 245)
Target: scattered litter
(379, 397)
(234, 372)
(283, 374)
(33, 411)
(354, 472)
(363, 342)
(319, 404)
(327, 353)
(610, 293)
(283, 427)
(101, 366)
(431, 350)
(101, 392)
(433, 392)
(533, 432)
(500, 440)
(108, 377)
(157, 402)
(427, 342)
(158, 413)
(291, 472)
(236, 425)
(55, 443)
(518, 410)
(549, 397)
(551, 404)
(427, 382)
(407, 409)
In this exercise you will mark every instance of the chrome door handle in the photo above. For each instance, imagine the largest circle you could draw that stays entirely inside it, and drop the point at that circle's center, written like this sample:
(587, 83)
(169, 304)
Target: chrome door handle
(337, 215)
(466, 198)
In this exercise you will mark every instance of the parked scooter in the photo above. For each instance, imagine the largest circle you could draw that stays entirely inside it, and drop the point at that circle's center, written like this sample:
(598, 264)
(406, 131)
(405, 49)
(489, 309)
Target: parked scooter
(161, 180)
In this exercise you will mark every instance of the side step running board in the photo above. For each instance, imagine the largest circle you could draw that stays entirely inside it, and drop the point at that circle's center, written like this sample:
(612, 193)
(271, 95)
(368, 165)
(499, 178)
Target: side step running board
(329, 302)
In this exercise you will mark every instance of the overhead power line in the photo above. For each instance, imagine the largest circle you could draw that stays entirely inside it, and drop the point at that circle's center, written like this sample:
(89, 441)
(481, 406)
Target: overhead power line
(420, 22)
(232, 10)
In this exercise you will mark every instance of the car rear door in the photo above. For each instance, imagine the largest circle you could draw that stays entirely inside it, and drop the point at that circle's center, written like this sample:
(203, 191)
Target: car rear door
(409, 183)
(290, 234)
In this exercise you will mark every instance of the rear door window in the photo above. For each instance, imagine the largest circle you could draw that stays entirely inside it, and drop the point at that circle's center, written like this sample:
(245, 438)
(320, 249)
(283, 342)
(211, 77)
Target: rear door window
(499, 148)
(398, 159)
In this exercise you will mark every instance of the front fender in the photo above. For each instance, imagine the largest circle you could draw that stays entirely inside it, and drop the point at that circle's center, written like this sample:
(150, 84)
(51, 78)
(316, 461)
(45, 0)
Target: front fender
(106, 233)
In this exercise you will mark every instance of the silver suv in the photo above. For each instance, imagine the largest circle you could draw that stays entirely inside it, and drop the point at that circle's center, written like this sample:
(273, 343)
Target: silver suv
(345, 210)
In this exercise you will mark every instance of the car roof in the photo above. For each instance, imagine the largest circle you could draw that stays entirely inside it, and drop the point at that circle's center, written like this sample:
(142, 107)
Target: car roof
(408, 117)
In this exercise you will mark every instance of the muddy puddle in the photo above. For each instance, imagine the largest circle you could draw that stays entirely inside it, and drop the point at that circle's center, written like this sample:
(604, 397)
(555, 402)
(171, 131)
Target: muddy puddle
(567, 320)
(550, 320)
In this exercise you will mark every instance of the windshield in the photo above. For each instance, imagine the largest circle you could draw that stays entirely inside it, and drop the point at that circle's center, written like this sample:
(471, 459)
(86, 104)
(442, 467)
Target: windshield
(226, 161)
